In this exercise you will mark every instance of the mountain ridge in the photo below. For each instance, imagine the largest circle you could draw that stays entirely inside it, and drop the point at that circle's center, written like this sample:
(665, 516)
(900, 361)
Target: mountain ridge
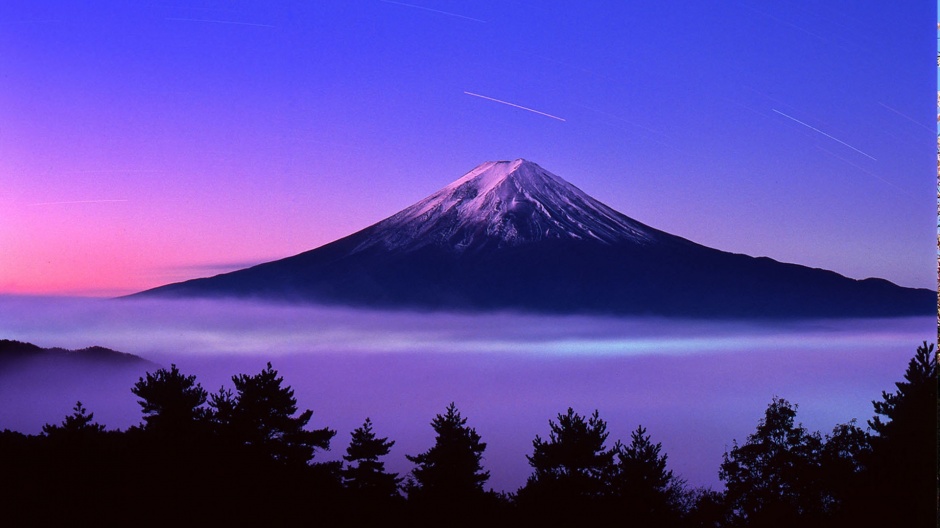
(511, 235)
(14, 352)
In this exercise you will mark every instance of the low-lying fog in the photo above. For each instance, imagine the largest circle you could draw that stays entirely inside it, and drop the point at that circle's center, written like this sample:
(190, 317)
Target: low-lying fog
(695, 385)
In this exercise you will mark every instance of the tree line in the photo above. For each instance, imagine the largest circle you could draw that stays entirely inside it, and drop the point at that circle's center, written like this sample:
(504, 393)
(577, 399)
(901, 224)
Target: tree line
(246, 456)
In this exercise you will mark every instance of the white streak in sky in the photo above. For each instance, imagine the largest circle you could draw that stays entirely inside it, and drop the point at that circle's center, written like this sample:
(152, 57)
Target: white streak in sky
(905, 116)
(514, 105)
(433, 10)
(38, 21)
(77, 202)
(792, 25)
(220, 22)
(649, 137)
(823, 133)
(112, 171)
(870, 173)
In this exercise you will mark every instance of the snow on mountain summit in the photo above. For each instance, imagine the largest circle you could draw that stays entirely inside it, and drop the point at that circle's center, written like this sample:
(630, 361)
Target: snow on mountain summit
(509, 235)
(504, 203)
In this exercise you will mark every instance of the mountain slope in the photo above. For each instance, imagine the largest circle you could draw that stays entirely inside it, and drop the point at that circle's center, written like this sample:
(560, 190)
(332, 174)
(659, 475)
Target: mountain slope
(500, 204)
(511, 235)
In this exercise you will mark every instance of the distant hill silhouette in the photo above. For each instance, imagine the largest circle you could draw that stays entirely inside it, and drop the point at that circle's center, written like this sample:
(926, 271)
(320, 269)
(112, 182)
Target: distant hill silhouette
(511, 235)
(17, 352)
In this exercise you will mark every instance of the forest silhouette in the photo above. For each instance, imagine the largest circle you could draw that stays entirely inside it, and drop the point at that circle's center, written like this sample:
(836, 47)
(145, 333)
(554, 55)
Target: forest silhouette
(246, 456)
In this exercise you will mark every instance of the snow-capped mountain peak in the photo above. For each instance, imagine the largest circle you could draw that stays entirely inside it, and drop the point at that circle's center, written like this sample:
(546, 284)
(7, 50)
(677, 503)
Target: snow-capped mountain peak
(509, 235)
(504, 203)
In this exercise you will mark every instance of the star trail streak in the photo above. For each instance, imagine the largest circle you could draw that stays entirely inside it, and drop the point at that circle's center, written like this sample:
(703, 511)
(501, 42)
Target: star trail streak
(823, 133)
(514, 105)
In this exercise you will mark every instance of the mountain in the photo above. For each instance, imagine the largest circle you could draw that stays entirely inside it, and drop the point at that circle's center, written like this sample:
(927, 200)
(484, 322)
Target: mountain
(511, 235)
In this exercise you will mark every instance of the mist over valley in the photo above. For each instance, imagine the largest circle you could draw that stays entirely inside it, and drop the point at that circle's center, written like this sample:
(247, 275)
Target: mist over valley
(509, 373)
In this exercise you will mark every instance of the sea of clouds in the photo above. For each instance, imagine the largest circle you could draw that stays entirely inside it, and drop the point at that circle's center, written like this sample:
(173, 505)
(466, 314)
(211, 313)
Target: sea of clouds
(695, 385)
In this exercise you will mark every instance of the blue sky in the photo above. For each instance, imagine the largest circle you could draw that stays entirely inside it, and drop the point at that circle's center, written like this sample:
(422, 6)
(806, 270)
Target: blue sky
(144, 141)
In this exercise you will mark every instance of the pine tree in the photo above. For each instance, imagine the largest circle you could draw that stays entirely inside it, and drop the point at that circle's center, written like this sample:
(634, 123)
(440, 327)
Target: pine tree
(903, 409)
(773, 478)
(364, 473)
(904, 463)
(845, 457)
(645, 490)
(171, 402)
(572, 466)
(222, 411)
(450, 471)
(79, 423)
(261, 416)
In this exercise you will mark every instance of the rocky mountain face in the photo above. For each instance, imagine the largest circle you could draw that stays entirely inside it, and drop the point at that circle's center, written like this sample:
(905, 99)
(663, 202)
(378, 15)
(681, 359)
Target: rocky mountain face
(503, 204)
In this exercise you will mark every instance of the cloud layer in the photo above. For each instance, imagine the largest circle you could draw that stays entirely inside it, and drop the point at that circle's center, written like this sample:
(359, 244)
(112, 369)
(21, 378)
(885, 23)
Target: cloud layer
(508, 373)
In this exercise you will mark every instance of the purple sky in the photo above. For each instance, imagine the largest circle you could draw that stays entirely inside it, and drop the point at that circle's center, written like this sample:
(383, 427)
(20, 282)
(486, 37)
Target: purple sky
(148, 142)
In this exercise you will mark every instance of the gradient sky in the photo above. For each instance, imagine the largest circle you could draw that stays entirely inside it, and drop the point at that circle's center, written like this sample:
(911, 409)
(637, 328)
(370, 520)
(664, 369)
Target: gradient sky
(149, 142)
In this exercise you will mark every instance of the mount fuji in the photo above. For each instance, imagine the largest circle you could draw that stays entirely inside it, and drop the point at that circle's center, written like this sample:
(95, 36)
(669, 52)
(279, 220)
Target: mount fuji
(509, 235)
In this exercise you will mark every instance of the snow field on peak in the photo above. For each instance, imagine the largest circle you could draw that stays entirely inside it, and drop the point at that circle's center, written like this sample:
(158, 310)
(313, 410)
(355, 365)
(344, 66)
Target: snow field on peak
(504, 203)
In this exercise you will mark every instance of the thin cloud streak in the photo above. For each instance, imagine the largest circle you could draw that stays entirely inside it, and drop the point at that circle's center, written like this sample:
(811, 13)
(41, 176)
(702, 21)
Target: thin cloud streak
(823, 133)
(514, 105)
(870, 173)
(905, 116)
(212, 21)
(650, 137)
(38, 21)
(76, 202)
(216, 266)
(784, 22)
(434, 11)
(114, 171)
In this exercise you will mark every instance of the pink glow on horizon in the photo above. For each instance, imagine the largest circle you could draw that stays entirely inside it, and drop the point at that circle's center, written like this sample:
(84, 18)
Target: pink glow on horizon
(54, 245)
(163, 148)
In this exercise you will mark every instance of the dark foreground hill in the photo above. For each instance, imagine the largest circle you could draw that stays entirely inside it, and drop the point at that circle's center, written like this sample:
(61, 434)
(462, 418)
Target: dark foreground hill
(513, 236)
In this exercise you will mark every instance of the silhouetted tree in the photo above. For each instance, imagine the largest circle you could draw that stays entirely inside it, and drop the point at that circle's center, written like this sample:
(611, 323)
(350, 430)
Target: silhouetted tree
(572, 468)
(222, 412)
(173, 452)
(79, 424)
(450, 471)
(904, 408)
(773, 478)
(260, 415)
(263, 453)
(171, 402)
(845, 456)
(903, 473)
(364, 473)
(646, 492)
(71, 461)
(705, 508)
